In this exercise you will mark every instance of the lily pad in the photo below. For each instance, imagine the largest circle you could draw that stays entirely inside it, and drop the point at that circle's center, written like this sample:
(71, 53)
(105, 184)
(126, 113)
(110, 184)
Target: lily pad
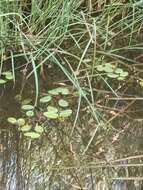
(54, 91)
(2, 81)
(108, 69)
(25, 128)
(27, 107)
(26, 101)
(108, 65)
(59, 90)
(124, 74)
(52, 109)
(6, 73)
(50, 115)
(45, 99)
(66, 113)
(21, 122)
(32, 135)
(30, 113)
(64, 90)
(118, 70)
(9, 76)
(39, 128)
(121, 78)
(12, 120)
(112, 75)
(100, 68)
(105, 67)
(63, 103)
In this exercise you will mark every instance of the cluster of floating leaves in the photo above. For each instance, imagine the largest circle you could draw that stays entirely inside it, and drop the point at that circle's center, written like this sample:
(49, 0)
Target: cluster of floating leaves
(53, 112)
(5, 77)
(61, 111)
(26, 128)
(112, 72)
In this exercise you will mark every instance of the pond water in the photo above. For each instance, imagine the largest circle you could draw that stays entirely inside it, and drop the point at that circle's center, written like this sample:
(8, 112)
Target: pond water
(58, 161)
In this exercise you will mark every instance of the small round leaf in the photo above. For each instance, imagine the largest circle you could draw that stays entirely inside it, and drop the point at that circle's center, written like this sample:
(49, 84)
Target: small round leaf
(50, 115)
(21, 122)
(54, 91)
(2, 81)
(63, 103)
(12, 120)
(27, 107)
(39, 128)
(52, 109)
(30, 113)
(124, 74)
(9, 76)
(64, 90)
(26, 101)
(25, 128)
(118, 70)
(112, 75)
(66, 113)
(32, 135)
(45, 99)
(100, 68)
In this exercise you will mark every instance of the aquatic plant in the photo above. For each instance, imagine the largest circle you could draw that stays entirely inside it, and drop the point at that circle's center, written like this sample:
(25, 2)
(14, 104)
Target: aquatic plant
(33, 127)
(112, 71)
(73, 36)
(5, 77)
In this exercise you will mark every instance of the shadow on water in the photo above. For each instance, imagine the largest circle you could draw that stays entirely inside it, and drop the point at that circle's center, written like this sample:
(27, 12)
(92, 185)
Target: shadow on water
(56, 161)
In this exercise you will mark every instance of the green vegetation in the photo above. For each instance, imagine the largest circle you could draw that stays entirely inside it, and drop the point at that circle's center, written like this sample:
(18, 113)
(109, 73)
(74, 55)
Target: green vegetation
(34, 121)
(97, 46)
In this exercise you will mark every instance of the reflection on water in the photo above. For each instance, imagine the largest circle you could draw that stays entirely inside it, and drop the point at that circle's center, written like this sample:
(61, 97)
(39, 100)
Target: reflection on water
(50, 163)
(56, 161)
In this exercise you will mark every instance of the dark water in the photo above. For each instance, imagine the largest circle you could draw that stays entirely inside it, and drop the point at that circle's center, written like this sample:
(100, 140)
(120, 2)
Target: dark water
(114, 160)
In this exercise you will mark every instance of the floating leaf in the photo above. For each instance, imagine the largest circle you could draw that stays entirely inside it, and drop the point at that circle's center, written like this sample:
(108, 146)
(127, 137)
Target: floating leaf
(124, 74)
(32, 135)
(25, 128)
(63, 103)
(26, 101)
(108, 69)
(45, 99)
(52, 109)
(100, 68)
(105, 67)
(21, 122)
(6, 73)
(118, 70)
(2, 81)
(27, 107)
(50, 115)
(12, 120)
(9, 76)
(121, 78)
(108, 65)
(30, 113)
(59, 90)
(39, 128)
(54, 91)
(64, 90)
(112, 75)
(66, 113)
